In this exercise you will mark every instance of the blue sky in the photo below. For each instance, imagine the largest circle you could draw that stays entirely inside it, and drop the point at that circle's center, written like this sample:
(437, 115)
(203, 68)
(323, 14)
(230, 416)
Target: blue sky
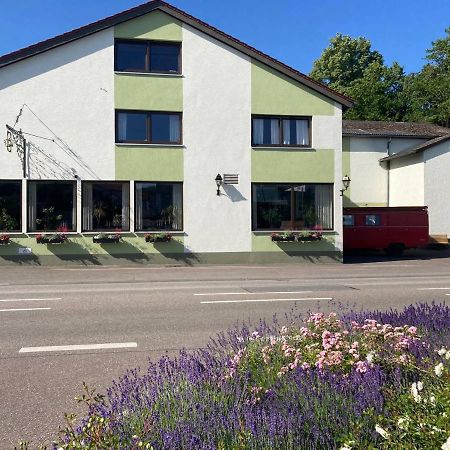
(293, 31)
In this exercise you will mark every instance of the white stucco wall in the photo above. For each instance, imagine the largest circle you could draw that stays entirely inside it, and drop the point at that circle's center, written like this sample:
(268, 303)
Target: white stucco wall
(369, 185)
(216, 116)
(71, 90)
(335, 131)
(437, 187)
(406, 182)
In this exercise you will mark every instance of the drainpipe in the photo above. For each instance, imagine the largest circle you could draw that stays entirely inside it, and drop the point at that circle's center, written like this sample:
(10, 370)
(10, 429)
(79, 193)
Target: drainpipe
(388, 171)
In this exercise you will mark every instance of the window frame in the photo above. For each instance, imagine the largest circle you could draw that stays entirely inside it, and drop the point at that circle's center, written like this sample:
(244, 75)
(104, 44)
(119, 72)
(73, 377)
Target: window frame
(19, 182)
(105, 230)
(148, 123)
(75, 205)
(149, 230)
(148, 43)
(272, 183)
(280, 119)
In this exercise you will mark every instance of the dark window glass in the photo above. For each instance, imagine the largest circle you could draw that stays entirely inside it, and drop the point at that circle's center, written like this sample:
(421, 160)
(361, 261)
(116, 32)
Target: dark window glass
(159, 206)
(348, 220)
(373, 220)
(132, 127)
(165, 128)
(52, 206)
(10, 205)
(131, 56)
(164, 58)
(105, 206)
(292, 207)
(295, 132)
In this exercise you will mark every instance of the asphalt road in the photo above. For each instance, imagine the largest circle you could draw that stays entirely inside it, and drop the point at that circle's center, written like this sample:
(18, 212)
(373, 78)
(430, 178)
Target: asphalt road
(148, 311)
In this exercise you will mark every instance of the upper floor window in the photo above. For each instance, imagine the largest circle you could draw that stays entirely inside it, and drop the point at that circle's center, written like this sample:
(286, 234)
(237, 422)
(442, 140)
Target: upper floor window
(281, 131)
(148, 56)
(148, 127)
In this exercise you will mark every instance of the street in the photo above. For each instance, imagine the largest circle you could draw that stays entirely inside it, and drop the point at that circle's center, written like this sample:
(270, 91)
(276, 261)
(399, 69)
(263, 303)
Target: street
(64, 325)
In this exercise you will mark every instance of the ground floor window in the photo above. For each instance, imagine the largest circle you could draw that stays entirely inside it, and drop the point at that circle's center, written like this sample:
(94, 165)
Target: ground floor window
(10, 205)
(106, 206)
(292, 206)
(51, 205)
(159, 206)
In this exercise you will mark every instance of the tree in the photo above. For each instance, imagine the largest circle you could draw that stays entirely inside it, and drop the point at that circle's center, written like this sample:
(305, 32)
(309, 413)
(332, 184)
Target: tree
(429, 90)
(344, 61)
(378, 94)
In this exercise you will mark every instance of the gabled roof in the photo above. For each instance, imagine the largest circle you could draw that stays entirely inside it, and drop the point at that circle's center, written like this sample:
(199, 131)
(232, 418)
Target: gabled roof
(418, 148)
(145, 8)
(392, 129)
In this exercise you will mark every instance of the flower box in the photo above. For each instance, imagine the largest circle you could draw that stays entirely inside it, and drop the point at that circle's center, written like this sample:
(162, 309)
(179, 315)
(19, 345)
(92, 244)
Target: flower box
(297, 237)
(51, 239)
(106, 238)
(163, 237)
(286, 237)
(4, 239)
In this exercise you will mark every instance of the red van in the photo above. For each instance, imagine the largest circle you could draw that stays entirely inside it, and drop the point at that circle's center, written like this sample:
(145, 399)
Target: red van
(392, 229)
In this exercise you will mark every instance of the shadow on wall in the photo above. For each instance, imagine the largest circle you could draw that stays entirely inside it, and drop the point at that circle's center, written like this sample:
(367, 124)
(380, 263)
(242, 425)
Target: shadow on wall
(312, 252)
(232, 193)
(52, 60)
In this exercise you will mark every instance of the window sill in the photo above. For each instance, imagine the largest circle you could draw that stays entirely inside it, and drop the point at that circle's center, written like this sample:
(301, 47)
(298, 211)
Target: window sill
(280, 147)
(292, 231)
(142, 233)
(130, 144)
(150, 74)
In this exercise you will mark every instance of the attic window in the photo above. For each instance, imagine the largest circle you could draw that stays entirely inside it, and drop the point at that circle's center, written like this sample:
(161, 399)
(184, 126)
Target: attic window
(147, 56)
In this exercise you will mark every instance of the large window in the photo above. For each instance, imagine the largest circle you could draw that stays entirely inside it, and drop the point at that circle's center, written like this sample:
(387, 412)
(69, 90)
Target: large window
(10, 205)
(292, 206)
(106, 206)
(51, 205)
(148, 56)
(148, 127)
(159, 206)
(270, 131)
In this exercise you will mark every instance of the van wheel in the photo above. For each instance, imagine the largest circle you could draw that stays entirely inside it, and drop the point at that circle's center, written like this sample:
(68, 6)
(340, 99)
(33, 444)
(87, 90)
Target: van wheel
(395, 249)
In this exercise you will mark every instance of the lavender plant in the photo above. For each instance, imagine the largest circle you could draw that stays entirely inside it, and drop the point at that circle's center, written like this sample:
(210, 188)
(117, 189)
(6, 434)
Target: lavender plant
(322, 382)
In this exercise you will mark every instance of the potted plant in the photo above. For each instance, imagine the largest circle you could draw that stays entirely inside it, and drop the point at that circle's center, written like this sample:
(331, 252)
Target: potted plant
(59, 237)
(4, 239)
(158, 237)
(283, 237)
(107, 238)
(308, 236)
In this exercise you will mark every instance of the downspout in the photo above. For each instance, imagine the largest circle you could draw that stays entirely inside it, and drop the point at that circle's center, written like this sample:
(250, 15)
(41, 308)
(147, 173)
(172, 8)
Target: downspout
(388, 172)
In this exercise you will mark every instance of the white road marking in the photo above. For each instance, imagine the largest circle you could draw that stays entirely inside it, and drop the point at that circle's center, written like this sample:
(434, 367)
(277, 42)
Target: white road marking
(254, 293)
(268, 300)
(29, 299)
(66, 348)
(23, 309)
(434, 289)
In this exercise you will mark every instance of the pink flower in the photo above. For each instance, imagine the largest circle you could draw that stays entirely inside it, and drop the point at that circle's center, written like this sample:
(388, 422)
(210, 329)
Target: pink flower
(412, 330)
(361, 367)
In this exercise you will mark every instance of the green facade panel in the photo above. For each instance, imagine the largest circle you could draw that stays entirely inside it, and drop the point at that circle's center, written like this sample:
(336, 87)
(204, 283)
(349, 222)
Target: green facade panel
(146, 163)
(155, 25)
(274, 93)
(148, 92)
(292, 166)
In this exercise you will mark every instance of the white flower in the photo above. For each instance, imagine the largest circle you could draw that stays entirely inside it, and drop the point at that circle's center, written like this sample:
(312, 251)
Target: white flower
(433, 399)
(415, 393)
(447, 355)
(419, 386)
(402, 421)
(345, 447)
(446, 444)
(383, 433)
(370, 357)
(442, 351)
(438, 370)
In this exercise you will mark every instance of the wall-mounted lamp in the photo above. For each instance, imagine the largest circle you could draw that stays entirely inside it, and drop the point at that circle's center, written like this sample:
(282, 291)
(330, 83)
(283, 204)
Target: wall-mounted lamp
(219, 181)
(345, 183)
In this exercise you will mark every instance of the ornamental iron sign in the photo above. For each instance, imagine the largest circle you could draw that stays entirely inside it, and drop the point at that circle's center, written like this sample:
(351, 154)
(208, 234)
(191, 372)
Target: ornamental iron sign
(16, 138)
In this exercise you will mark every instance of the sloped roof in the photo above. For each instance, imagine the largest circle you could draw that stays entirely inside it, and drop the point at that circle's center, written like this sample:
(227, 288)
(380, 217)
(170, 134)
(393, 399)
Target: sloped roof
(153, 5)
(417, 149)
(392, 129)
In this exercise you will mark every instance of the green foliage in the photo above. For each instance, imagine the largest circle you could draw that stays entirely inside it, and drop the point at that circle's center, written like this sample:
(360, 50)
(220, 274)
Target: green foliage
(7, 222)
(385, 93)
(49, 220)
(344, 61)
